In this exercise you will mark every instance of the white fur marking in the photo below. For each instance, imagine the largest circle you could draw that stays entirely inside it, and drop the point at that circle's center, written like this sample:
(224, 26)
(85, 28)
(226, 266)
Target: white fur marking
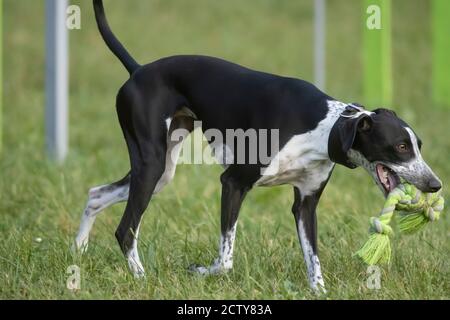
(304, 161)
(172, 155)
(134, 262)
(416, 169)
(99, 199)
(312, 261)
(168, 123)
(225, 260)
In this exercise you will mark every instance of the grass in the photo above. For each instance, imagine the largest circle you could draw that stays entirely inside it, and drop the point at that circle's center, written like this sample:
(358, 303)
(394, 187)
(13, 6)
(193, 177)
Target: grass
(42, 200)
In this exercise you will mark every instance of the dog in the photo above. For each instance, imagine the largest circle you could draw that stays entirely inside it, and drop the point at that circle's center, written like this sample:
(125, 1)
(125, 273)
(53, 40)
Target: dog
(316, 132)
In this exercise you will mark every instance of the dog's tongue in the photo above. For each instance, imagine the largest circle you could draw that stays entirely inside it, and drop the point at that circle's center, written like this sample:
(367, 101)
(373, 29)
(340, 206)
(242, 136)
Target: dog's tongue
(392, 182)
(379, 170)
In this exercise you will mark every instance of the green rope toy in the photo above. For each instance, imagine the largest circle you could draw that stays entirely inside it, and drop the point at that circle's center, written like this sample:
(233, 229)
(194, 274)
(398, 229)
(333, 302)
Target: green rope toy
(415, 210)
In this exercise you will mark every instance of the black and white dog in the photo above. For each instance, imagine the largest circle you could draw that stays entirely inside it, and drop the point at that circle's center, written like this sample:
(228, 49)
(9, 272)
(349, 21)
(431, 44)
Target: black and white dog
(315, 132)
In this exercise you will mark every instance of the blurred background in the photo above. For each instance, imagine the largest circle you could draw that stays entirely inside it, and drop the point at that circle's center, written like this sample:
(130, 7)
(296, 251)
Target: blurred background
(42, 202)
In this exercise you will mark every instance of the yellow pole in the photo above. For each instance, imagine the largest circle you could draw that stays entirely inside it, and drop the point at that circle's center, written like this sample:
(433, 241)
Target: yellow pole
(1, 74)
(441, 52)
(377, 55)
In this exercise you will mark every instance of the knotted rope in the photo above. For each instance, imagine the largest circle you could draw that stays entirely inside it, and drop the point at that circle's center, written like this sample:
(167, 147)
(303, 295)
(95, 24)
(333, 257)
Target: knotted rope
(415, 210)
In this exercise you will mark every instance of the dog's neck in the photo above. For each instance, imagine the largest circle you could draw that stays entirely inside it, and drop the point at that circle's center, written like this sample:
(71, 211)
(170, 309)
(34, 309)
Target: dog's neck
(344, 112)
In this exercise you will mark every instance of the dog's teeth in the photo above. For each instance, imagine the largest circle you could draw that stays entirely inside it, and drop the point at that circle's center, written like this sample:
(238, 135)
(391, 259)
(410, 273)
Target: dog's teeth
(384, 177)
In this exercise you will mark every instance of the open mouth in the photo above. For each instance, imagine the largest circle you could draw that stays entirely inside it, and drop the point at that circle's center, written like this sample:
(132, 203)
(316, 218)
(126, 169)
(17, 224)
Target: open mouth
(388, 178)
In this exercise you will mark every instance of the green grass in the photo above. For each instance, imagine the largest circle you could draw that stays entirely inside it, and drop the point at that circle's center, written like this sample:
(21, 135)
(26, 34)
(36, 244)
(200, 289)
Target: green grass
(181, 226)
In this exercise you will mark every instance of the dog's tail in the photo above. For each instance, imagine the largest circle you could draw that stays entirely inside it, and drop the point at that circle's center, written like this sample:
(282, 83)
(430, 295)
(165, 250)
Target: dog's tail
(110, 39)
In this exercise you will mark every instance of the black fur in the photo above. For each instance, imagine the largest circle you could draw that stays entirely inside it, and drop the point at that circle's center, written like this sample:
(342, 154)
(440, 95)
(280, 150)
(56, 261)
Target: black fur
(224, 95)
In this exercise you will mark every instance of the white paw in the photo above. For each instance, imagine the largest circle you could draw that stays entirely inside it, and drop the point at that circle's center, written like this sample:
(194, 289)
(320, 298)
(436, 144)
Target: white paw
(138, 273)
(215, 268)
(80, 246)
(318, 287)
(136, 267)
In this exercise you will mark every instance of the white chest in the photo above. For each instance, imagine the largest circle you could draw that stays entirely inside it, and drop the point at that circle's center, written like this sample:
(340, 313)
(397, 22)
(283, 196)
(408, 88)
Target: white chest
(304, 162)
(300, 166)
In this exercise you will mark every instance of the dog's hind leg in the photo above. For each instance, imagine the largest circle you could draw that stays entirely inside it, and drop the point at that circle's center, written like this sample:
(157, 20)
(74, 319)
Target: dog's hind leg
(99, 199)
(153, 175)
(147, 167)
(145, 131)
(104, 196)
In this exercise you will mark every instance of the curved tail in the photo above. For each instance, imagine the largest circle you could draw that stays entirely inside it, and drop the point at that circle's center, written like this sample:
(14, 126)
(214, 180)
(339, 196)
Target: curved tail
(110, 39)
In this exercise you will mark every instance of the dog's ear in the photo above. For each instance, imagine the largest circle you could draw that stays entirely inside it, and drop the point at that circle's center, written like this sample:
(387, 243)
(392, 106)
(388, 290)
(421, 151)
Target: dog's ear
(383, 110)
(342, 137)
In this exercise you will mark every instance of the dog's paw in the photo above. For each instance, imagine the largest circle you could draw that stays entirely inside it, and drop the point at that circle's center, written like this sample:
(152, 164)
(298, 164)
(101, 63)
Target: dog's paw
(216, 268)
(319, 289)
(136, 267)
(201, 270)
(139, 274)
(79, 247)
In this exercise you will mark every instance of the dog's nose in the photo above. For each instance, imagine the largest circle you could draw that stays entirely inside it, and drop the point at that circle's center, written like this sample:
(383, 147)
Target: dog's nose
(434, 185)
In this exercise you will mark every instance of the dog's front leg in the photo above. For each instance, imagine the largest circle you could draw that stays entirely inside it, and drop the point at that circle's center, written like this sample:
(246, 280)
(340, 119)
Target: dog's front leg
(304, 210)
(233, 193)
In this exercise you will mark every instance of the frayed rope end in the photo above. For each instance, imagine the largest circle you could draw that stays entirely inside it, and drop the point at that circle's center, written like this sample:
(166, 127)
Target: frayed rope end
(412, 222)
(376, 250)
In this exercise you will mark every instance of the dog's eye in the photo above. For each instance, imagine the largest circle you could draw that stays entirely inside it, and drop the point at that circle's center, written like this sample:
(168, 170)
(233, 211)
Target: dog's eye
(402, 147)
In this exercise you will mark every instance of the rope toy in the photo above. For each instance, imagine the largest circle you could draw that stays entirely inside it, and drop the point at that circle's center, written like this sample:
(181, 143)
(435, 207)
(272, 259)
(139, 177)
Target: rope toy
(414, 208)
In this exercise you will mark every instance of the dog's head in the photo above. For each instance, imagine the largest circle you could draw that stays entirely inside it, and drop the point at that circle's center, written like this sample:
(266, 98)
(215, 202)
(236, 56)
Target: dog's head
(384, 145)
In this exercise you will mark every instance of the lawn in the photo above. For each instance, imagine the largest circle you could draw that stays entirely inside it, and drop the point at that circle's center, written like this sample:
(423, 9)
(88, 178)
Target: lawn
(40, 200)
